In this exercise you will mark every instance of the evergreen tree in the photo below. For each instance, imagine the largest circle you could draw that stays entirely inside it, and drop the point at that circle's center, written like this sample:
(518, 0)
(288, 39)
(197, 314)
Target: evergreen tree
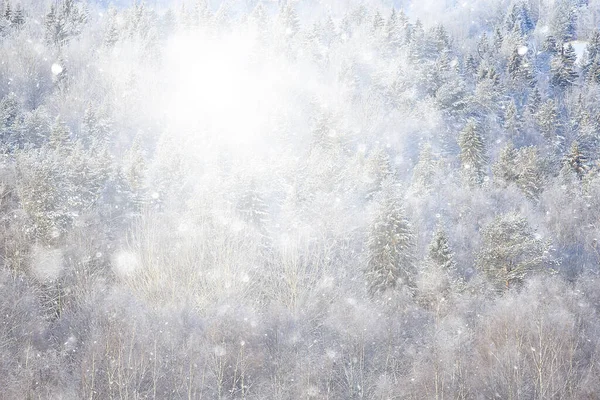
(534, 101)
(18, 16)
(550, 45)
(510, 251)
(37, 127)
(111, 35)
(505, 168)
(379, 170)
(521, 167)
(440, 252)
(498, 39)
(592, 57)
(520, 70)
(60, 136)
(472, 154)
(530, 172)
(512, 120)
(8, 13)
(390, 246)
(548, 122)
(393, 31)
(438, 277)
(564, 21)
(518, 19)
(471, 65)
(563, 68)
(289, 20)
(425, 170)
(593, 45)
(378, 22)
(576, 161)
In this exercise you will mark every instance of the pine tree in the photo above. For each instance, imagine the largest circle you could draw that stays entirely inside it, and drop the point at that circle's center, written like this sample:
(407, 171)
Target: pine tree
(498, 39)
(483, 47)
(520, 70)
(505, 168)
(18, 16)
(530, 172)
(512, 120)
(548, 122)
(510, 251)
(591, 57)
(550, 45)
(8, 13)
(111, 35)
(563, 68)
(576, 161)
(564, 21)
(136, 168)
(378, 22)
(289, 20)
(60, 136)
(440, 252)
(472, 154)
(593, 46)
(425, 170)
(390, 246)
(379, 171)
(96, 130)
(37, 127)
(593, 71)
(519, 20)
(471, 65)
(438, 278)
(441, 39)
(393, 32)
(534, 101)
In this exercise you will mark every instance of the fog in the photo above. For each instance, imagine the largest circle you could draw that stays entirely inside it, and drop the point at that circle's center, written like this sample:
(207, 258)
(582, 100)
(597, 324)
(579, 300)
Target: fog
(299, 200)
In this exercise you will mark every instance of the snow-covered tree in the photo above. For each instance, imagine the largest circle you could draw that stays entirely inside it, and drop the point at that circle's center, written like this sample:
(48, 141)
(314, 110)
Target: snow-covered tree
(510, 251)
(472, 154)
(563, 69)
(390, 246)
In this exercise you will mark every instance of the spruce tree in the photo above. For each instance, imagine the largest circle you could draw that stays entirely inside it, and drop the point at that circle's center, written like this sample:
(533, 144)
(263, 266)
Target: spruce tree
(576, 161)
(563, 72)
(111, 35)
(425, 170)
(60, 136)
(512, 120)
(440, 252)
(505, 168)
(390, 246)
(534, 100)
(18, 16)
(547, 120)
(438, 278)
(530, 172)
(393, 31)
(472, 154)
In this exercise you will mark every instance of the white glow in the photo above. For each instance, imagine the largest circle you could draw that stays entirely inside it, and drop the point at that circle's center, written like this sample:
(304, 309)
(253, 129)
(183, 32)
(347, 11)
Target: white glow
(522, 50)
(57, 69)
(222, 88)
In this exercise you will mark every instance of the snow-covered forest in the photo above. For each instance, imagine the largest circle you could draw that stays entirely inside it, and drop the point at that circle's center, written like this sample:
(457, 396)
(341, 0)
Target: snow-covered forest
(307, 199)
